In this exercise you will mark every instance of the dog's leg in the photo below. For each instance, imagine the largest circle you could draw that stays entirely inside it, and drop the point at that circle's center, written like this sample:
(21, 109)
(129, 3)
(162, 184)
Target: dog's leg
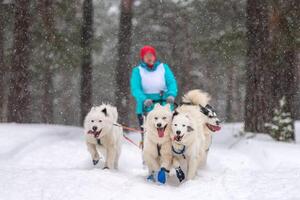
(151, 162)
(110, 158)
(179, 173)
(117, 158)
(166, 156)
(192, 167)
(93, 151)
(175, 162)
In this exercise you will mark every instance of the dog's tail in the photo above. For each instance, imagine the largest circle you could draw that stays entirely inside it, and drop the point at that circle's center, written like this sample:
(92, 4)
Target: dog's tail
(196, 97)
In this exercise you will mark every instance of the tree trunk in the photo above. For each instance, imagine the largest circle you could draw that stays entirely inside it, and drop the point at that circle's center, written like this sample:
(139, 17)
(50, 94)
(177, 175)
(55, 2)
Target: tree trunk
(47, 98)
(283, 50)
(123, 63)
(229, 111)
(46, 12)
(258, 98)
(86, 65)
(19, 96)
(2, 67)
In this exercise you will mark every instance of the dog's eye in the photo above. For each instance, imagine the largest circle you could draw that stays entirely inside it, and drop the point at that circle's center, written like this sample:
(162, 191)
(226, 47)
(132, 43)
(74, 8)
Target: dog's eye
(183, 125)
(175, 124)
(100, 121)
(164, 117)
(155, 118)
(92, 120)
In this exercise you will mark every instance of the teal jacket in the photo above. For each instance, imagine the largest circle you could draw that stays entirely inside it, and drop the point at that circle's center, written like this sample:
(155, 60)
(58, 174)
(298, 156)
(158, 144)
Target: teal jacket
(137, 88)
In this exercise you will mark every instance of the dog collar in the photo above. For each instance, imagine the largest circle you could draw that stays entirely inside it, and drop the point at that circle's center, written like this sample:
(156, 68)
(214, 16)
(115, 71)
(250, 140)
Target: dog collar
(179, 152)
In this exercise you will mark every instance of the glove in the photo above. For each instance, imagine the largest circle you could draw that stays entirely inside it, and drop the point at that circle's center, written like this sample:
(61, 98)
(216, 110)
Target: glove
(148, 102)
(180, 174)
(162, 176)
(170, 99)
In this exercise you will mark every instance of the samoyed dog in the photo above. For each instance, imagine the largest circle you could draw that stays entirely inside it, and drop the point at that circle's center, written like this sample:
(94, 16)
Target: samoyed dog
(196, 102)
(102, 135)
(157, 151)
(187, 145)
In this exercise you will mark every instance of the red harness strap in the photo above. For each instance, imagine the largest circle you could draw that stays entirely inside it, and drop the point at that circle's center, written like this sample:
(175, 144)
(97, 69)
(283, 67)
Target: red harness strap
(131, 141)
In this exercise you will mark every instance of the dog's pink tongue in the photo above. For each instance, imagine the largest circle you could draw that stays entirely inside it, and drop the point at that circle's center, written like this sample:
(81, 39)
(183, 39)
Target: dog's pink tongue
(217, 128)
(160, 132)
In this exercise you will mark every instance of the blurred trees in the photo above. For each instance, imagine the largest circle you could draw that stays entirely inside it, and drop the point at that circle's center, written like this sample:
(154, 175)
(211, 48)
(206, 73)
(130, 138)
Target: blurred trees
(45, 13)
(272, 64)
(86, 63)
(19, 96)
(204, 42)
(2, 67)
(258, 108)
(123, 60)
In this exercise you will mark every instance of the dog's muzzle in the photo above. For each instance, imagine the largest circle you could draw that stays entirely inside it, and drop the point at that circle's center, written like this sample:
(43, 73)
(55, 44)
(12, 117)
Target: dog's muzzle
(178, 138)
(95, 133)
(161, 131)
(213, 128)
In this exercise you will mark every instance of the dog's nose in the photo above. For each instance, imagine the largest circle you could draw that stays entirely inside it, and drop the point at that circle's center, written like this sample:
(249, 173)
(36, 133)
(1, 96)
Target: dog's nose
(159, 125)
(218, 122)
(94, 128)
(178, 132)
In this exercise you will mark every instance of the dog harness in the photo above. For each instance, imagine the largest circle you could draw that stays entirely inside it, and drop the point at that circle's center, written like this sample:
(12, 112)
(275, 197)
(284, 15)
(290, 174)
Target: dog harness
(179, 152)
(158, 146)
(99, 142)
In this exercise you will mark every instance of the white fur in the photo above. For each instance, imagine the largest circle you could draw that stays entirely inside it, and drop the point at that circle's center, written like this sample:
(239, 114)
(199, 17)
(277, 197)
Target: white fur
(163, 115)
(185, 126)
(198, 97)
(110, 135)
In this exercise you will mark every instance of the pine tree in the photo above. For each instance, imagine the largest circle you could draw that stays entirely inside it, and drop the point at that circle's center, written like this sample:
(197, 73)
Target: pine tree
(19, 96)
(123, 62)
(86, 63)
(281, 128)
(2, 67)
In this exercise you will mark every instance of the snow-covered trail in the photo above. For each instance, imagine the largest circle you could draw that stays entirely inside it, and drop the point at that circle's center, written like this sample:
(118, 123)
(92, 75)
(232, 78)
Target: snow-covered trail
(51, 162)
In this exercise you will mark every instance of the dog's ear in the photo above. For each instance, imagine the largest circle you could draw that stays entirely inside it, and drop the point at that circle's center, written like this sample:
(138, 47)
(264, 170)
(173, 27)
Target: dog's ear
(204, 110)
(168, 106)
(190, 129)
(157, 105)
(93, 108)
(208, 106)
(105, 112)
(175, 113)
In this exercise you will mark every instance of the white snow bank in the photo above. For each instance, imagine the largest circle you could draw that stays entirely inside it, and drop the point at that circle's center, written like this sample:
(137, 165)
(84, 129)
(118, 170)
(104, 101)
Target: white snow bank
(51, 162)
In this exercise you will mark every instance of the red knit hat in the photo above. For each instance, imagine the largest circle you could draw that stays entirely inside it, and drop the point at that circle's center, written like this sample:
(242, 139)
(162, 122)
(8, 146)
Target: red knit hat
(147, 49)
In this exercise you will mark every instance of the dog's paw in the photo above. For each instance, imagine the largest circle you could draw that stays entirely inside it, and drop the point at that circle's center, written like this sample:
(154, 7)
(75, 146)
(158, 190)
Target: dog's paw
(162, 175)
(180, 174)
(151, 178)
(95, 162)
(105, 168)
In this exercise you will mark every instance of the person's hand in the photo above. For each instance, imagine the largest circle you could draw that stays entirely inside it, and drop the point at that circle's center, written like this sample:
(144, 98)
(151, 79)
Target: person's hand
(170, 99)
(148, 102)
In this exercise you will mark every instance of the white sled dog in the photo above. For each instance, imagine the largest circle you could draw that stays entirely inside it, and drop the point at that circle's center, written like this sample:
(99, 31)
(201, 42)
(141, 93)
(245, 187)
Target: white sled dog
(157, 152)
(187, 145)
(196, 102)
(102, 136)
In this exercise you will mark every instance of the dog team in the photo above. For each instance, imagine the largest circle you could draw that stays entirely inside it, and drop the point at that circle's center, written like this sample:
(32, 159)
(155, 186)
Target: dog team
(178, 139)
(174, 136)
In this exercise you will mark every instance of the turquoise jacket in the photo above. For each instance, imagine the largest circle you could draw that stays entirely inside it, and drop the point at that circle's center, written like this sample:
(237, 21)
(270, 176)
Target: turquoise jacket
(137, 90)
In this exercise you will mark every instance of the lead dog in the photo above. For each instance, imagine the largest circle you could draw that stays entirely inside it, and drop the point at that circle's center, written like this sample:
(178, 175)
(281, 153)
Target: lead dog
(187, 145)
(102, 136)
(157, 145)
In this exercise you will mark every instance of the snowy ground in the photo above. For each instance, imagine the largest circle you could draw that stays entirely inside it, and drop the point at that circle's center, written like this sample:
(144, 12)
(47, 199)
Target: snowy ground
(51, 163)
